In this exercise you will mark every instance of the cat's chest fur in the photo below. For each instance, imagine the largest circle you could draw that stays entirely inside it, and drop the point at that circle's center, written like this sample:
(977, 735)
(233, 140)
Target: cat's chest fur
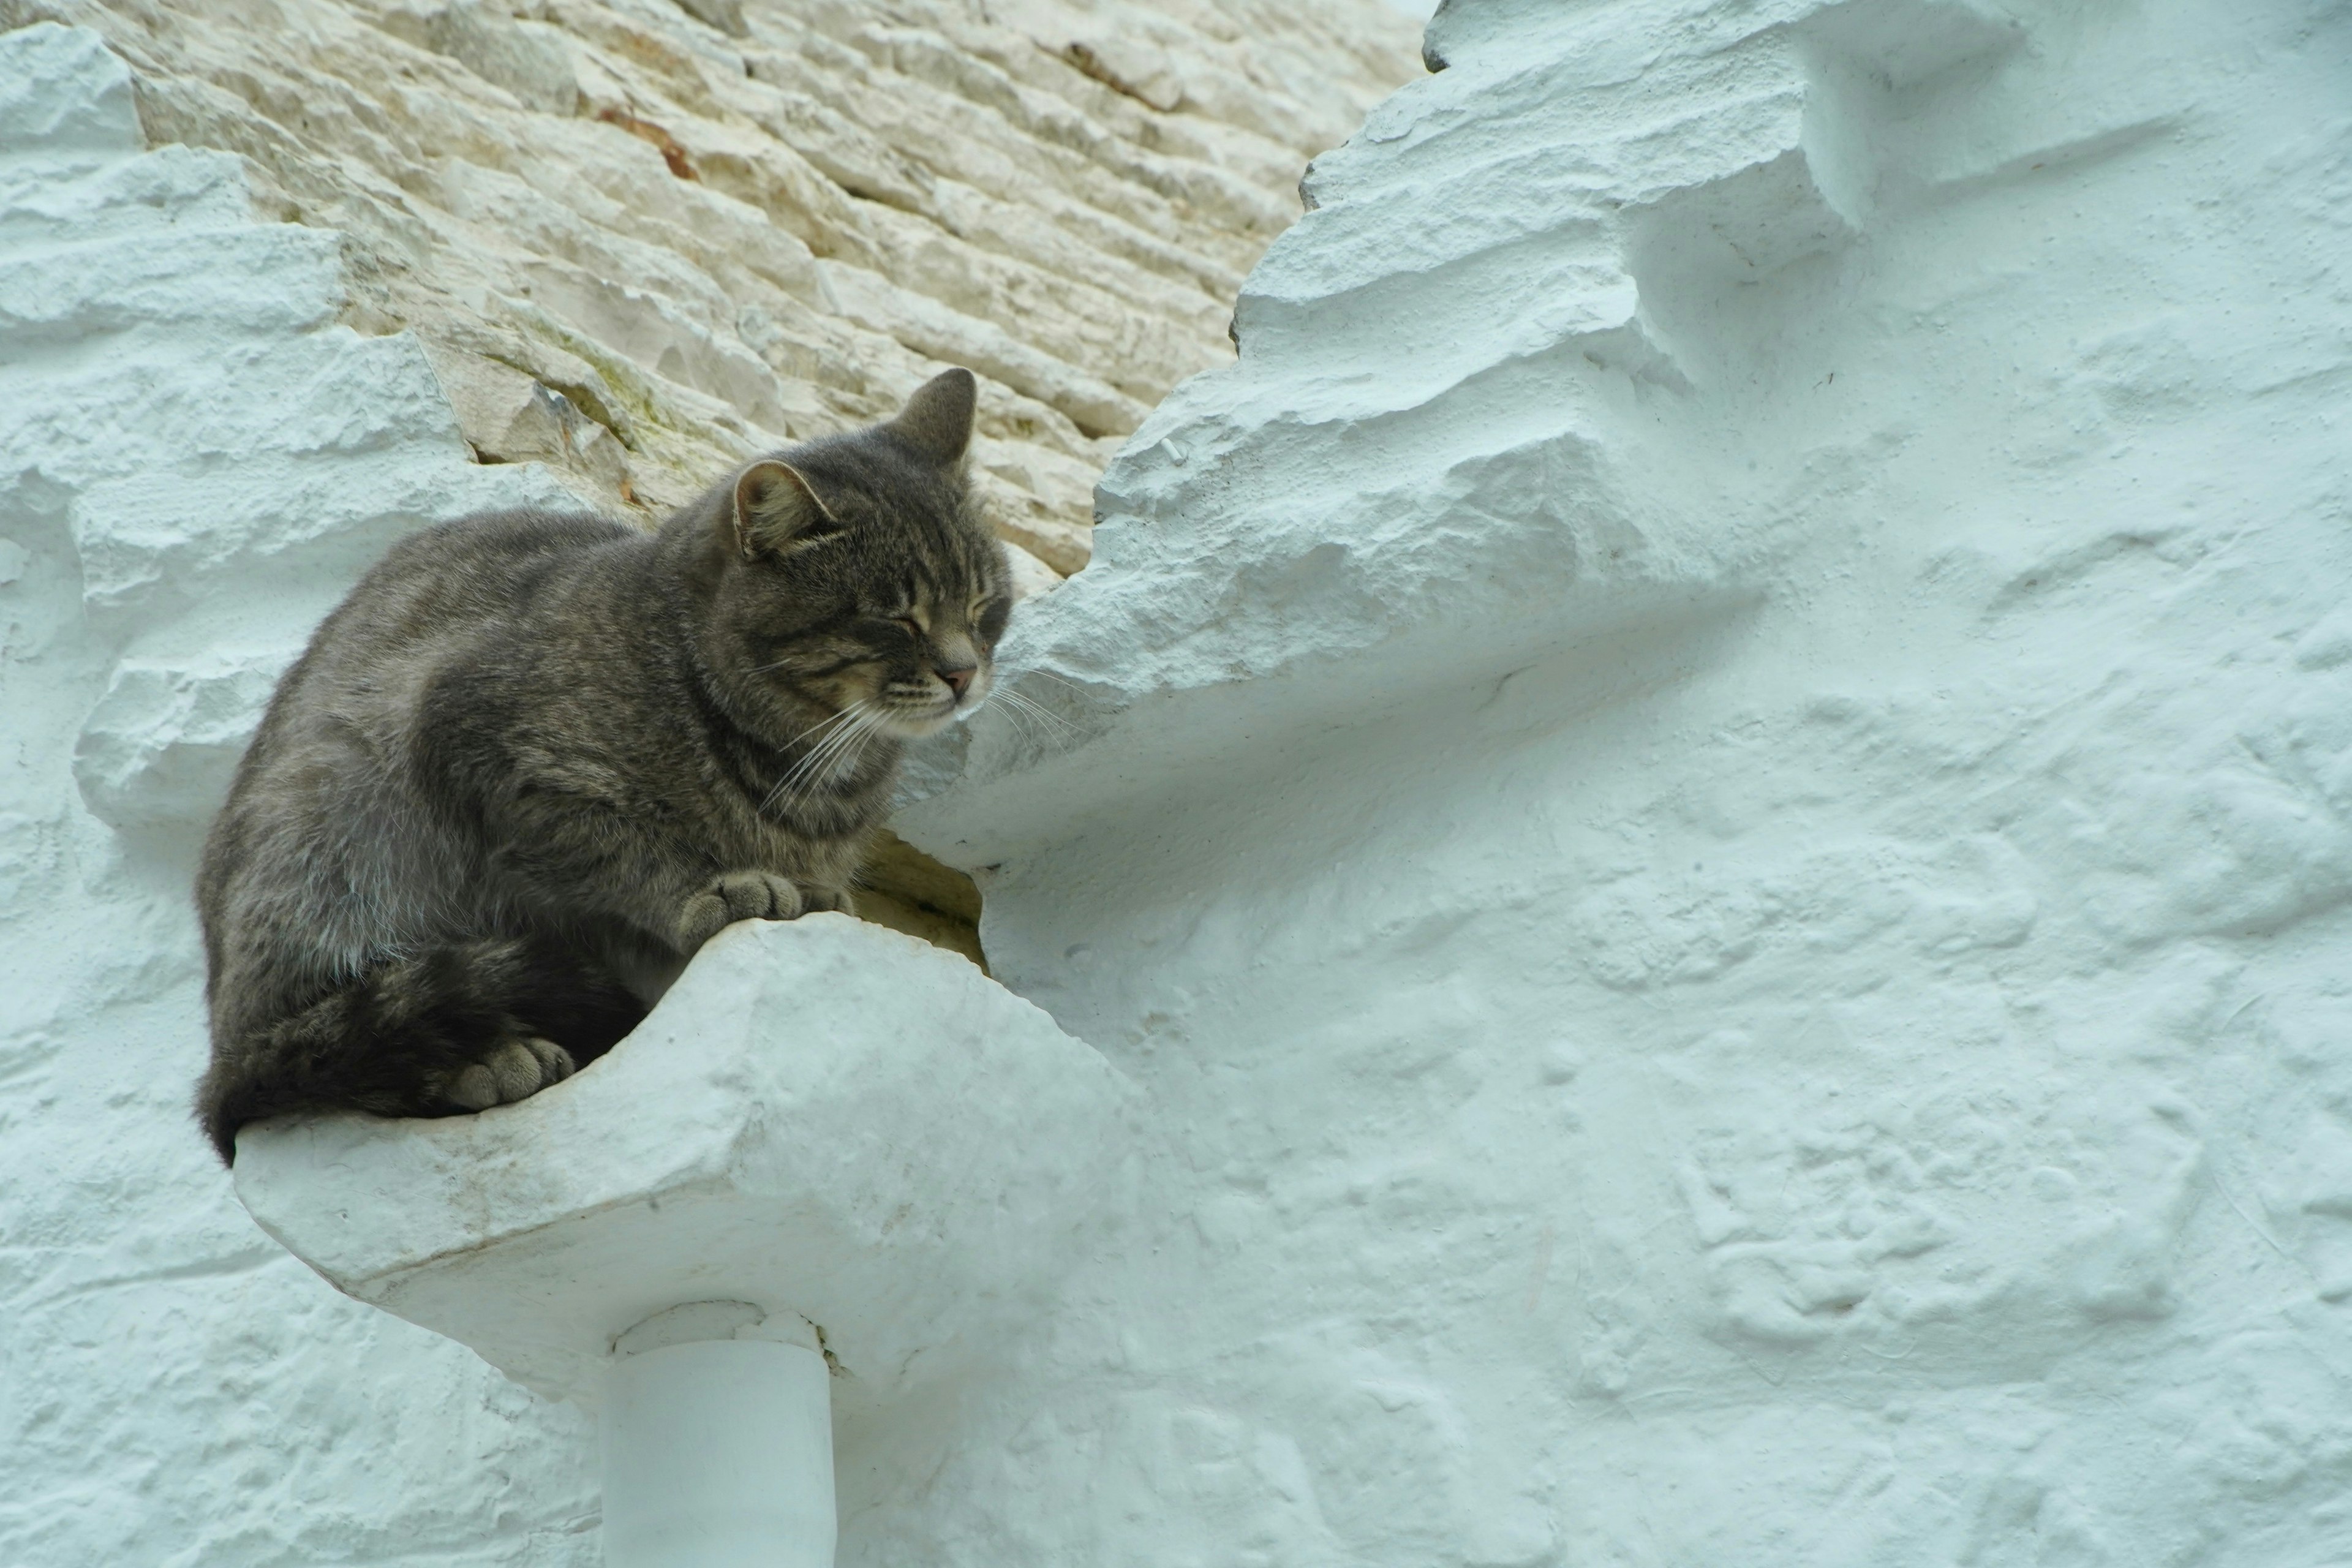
(812, 830)
(608, 736)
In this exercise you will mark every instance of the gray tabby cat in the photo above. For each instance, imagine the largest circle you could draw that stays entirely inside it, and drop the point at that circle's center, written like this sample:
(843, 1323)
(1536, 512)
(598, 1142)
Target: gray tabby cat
(535, 760)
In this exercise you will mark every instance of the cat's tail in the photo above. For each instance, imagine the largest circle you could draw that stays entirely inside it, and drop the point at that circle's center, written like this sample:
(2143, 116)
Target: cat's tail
(394, 1040)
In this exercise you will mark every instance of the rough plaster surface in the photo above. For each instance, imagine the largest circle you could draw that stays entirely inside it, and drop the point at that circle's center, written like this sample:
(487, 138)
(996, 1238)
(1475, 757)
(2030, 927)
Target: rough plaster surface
(195, 463)
(1706, 797)
(1712, 796)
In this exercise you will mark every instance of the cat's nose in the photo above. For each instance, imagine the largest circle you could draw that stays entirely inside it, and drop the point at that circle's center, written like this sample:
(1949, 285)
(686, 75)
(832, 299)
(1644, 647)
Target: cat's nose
(959, 679)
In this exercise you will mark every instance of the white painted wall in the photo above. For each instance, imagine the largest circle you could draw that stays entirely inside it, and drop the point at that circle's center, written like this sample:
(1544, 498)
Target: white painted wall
(193, 465)
(1708, 797)
(1818, 1035)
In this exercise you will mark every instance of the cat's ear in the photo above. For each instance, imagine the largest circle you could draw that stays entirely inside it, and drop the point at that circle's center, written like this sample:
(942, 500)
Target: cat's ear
(775, 508)
(937, 421)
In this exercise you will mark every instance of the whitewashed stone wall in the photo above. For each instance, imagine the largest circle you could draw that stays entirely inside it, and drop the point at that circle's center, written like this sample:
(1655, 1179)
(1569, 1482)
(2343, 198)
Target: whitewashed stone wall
(1706, 797)
(194, 464)
(1712, 794)
(208, 427)
(205, 434)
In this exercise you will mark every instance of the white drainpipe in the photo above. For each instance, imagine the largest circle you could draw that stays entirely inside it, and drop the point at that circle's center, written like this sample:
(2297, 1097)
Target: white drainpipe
(717, 1437)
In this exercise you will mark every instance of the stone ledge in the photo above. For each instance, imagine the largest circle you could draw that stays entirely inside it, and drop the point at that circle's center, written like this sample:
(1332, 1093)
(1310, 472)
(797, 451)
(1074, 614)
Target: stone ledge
(822, 1117)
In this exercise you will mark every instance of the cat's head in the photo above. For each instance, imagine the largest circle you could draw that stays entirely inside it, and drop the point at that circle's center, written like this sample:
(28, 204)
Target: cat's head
(860, 576)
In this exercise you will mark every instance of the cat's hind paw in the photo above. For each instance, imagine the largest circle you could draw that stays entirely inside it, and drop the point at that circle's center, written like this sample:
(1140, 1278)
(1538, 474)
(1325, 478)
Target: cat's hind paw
(514, 1069)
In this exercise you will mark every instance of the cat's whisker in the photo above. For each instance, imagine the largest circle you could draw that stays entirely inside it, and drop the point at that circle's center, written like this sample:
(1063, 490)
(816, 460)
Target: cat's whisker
(1024, 726)
(1016, 703)
(815, 736)
(839, 748)
(819, 763)
(811, 770)
(831, 729)
(785, 782)
(824, 723)
(1033, 670)
(836, 750)
(1023, 701)
(1021, 723)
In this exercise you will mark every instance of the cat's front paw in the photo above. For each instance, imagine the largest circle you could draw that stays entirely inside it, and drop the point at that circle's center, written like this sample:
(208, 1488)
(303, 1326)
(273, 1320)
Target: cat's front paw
(512, 1070)
(741, 896)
